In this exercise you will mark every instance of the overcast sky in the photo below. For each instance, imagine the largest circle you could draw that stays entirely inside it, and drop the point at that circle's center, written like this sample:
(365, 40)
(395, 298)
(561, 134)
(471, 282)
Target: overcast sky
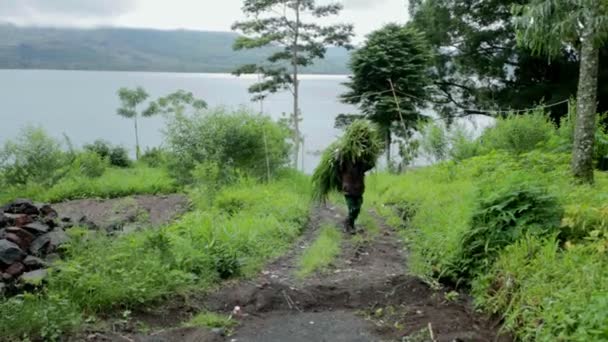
(215, 15)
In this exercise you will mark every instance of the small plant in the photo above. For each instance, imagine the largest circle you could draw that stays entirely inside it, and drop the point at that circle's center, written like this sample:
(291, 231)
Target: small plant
(502, 219)
(322, 252)
(33, 157)
(212, 320)
(90, 164)
(117, 155)
(154, 157)
(225, 259)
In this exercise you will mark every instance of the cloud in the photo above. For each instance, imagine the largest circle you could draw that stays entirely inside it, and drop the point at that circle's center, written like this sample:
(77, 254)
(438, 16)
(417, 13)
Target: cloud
(43, 11)
(362, 4)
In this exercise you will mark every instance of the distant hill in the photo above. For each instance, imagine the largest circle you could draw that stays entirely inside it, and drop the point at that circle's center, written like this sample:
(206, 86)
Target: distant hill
(135, 50)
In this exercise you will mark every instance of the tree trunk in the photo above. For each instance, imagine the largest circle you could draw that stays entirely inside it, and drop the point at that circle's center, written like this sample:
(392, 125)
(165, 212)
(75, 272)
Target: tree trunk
(584, 133)
(388, 141)
(296, 88)
(137, 151)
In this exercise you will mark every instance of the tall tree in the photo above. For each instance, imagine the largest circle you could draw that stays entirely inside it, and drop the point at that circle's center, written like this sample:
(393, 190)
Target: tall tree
(393, 57)
(281, 24)
(545, 26)
(480, 65)
(130, 99)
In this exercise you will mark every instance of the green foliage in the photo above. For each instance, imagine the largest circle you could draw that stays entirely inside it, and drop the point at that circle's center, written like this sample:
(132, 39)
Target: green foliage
(547, 293)
(211, 320)
(113, 183)
(155, 157)
(130, 99)
(232, 140)
(480, 65)
(322, 252)
(280, 23)
(435, 141)
(531, 242)
(399, 54)
(32, 317)
(519, 134)
(360, 143)
(503, 217)
(89, 164)
(32, 157)
(117, 155)
(100, 274)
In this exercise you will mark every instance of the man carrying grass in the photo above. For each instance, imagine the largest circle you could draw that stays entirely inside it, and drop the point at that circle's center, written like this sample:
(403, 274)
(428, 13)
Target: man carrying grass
(352, 176)
(343, 167)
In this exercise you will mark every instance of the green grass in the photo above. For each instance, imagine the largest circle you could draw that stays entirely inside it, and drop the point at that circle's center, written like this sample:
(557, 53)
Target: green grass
(115, 182)
(212, 320)
(322, 252)
(547, 289)
(245, 226)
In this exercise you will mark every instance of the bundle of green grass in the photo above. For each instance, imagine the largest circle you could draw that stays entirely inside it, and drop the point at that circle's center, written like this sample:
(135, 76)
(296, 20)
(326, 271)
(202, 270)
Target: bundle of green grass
(360, 143)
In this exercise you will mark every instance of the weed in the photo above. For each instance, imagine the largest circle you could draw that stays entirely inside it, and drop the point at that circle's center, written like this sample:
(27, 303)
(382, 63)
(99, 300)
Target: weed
(212, 320)
(322, 252)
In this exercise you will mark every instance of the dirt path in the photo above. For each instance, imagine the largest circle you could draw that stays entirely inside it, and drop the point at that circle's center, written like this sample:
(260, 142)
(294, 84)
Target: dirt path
(366, 295)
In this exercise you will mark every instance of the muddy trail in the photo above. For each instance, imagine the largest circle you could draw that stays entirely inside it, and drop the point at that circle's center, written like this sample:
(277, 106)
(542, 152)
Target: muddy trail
(365, 295)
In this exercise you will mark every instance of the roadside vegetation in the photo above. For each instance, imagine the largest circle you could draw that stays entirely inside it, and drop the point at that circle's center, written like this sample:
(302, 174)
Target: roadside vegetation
(241, 216)
(509, 222)
(322, 252)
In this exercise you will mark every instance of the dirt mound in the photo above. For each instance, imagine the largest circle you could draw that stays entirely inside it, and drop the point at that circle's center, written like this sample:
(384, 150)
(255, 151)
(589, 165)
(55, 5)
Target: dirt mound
(125, 213)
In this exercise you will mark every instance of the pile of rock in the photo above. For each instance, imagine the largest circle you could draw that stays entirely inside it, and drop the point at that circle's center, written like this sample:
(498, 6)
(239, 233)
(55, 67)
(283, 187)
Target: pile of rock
(29, 239)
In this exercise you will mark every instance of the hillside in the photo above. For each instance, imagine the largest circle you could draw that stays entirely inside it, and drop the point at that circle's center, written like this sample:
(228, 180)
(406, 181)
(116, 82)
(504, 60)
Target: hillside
(134, 50)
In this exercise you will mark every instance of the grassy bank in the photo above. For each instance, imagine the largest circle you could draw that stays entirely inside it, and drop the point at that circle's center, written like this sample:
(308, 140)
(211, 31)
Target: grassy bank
(115, 182)
(231, 234)
(514, 228)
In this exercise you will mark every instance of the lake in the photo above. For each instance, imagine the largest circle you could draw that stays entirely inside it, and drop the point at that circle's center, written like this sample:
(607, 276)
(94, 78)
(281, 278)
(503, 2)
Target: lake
(82, 104)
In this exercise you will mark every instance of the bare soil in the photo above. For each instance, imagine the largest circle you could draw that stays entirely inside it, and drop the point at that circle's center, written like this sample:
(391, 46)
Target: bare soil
(124, 213)
(367, 294)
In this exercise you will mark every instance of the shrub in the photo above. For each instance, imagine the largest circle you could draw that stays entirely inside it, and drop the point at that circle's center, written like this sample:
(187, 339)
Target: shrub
(233, 140)
(154, 157)
(435, 141)
(89, 164)
(502, 218)
(519, 133)
(32, 157)
(546, 293)
(117, 155)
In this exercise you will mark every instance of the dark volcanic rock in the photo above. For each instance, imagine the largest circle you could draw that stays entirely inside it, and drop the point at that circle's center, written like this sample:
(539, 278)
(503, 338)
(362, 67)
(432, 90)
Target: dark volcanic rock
(33, 263)
(37, 228)
(34, 277)
(47, 212)
(16, 269)
(10, 252)
(49, 242)
(25, 237)
(21, 206)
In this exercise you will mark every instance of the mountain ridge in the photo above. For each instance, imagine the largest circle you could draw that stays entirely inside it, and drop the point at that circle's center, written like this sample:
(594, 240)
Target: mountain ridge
(137, 49)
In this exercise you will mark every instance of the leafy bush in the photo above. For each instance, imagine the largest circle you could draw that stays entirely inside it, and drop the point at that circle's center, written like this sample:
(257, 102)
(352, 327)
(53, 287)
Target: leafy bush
(435, 141)
(37, 317)
(101, 274)
(32, 157)
(549, 294)
(501, 219)
(154, 157)
(89, 164)
(519, 133)
(117, 155)
(233, 140)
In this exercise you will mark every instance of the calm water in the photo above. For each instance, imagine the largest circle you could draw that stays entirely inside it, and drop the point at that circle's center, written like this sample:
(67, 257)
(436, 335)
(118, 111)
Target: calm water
(82, 104)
